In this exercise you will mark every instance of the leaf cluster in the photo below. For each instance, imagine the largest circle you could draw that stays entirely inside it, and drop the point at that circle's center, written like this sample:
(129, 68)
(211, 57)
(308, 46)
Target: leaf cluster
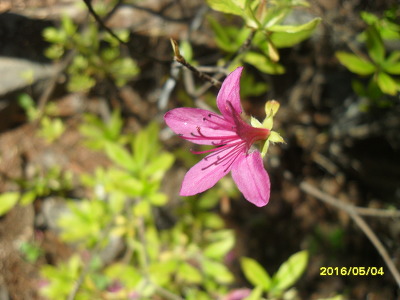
(266, 21)
(96, 55)
(186, 257)
(382, 66)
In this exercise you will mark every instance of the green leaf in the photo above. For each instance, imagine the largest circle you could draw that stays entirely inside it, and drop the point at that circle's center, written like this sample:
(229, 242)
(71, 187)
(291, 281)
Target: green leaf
(68, 26)
(392, 63)
(221, 37)
(218, 271)
(208, 200)
(286, 40)
(355, 64)
(251, 87)
(61, 278)
(226, 6)
(375, 46)
(8, 201)
(393, 57)
(290, 271)
(157, 167)
(274, 16)
(249, 16)
(80, 83)
(255, 273)
(124, 182)
(141, 148)
(212, 220)
(221, 247)
(295, 28)
(369, 18)
(186, 50)
(54, 51)
(393, 69)
(160, 272)
(120, 156)
(54, 35)
(263, 63)
(51, 129)
(158, 199)
(28, 197)
(255, 294)
(189, 274)
(387, 84)
(142, 209)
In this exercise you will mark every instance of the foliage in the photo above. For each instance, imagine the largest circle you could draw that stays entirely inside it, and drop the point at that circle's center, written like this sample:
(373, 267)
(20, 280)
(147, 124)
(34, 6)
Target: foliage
(95, 56)
(288, 273)
(51, 127)
(267, 23)
(184, 258)
(52, 181)
(383, 67)
(30, 251)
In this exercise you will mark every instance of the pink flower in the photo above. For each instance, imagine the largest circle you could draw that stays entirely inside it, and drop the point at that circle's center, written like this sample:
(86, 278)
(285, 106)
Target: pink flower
(238, 294)
(233, 139)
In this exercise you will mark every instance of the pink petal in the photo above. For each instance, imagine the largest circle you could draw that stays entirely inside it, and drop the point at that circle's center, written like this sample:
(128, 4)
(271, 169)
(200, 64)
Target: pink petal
(186, 121)
(204, 175)
(251, 178)
(230, 91)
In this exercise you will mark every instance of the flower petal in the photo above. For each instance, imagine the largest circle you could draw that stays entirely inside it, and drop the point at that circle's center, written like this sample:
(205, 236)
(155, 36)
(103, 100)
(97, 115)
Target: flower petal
(188, 121)
(204, 175)
(230, 91)
(252, 179)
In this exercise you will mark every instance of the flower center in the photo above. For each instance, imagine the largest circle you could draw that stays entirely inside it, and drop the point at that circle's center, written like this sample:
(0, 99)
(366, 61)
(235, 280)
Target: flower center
(246, 132)
(229, 147)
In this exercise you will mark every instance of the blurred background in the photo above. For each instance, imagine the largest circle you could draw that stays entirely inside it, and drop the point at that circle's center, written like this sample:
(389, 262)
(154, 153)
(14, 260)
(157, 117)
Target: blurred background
(90, 174)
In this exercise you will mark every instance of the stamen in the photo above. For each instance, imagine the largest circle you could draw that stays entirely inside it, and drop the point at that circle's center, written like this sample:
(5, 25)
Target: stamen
(220, 148)
(229, 158)
(222, 139)
(222, 124)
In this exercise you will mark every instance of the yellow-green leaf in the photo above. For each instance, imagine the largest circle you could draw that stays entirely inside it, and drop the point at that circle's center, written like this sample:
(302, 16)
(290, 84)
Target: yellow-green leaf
(255, 273)
(263, 63)
(226, 6)
(393, 68)
(8, 201)
(375, 47)
(355, 64)
(296, 28)
(290, 271)
(387, 84)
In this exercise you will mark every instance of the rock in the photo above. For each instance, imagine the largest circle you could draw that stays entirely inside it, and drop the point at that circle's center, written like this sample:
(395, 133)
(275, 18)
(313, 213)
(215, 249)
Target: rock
(19, 73)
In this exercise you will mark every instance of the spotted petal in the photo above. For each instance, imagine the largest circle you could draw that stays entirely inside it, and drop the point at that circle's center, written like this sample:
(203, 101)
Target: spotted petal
(204, 174)
(251, 178)
(230, 91)
(187, 121)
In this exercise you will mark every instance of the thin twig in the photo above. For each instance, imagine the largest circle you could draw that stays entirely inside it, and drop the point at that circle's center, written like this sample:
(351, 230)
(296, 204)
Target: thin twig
(350, 209)
(376, 212)
(100, 21)
(127, 44)
(44, 98)
(180, 59)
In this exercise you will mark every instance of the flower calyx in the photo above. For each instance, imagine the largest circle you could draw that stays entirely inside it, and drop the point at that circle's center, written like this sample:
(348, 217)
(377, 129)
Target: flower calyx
(271, 108)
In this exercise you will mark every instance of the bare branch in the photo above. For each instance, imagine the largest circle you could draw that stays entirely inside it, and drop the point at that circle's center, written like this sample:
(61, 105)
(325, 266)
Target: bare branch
(350, 209)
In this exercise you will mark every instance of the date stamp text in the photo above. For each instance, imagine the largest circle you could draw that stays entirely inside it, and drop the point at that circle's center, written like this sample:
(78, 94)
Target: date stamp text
(351, 271)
